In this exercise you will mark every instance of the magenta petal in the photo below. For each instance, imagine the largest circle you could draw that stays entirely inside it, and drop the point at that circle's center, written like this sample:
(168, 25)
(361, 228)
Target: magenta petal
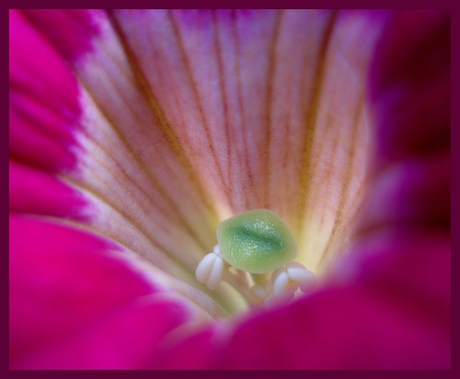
(387, 320)
(37, 192)
(122, 339)
(44, 107)
(396, 315)
(194, 352)
(410, 85)
(392, 310)
(61, 280)
(76, 29)
(415, 193)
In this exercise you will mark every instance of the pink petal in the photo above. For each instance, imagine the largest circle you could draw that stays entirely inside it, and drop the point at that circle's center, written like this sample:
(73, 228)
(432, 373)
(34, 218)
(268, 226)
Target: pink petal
(262, 117)
(135, 186)
(51, 171)
(388, 304)
(148, 160)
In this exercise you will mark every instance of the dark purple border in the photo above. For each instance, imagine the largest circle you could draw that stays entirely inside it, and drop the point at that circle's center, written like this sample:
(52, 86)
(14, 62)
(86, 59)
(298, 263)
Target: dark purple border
(455, 204)
(4, 188)
(266, 4)
(455, 187)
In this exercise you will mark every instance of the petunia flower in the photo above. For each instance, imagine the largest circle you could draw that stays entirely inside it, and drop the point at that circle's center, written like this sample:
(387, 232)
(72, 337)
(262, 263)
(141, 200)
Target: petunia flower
(134, 134)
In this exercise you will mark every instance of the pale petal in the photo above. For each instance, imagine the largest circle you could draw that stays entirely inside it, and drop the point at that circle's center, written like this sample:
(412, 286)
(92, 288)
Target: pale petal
(141, 190)
(89, 174)
(393, 310)
(63, 279)
(189, 117)
(268, 107)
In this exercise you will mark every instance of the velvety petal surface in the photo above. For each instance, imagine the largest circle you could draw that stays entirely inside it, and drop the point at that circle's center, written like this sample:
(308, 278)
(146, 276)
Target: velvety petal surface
(387, 303)
(75, 301)
(71, 291)
(188, 117)
(267, 107)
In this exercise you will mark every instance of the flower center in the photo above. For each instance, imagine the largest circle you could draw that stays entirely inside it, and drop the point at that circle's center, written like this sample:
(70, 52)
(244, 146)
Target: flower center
(260, 244)
(188, 121)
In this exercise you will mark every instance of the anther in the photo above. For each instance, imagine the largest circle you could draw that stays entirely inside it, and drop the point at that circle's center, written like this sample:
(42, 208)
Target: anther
(210, 270)
(298, 273)
(291, 277)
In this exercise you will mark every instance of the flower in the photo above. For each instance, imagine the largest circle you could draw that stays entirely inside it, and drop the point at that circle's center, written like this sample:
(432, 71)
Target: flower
(134, 133)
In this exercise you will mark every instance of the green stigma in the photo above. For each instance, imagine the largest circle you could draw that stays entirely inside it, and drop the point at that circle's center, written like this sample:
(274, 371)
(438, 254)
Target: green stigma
(256, 241)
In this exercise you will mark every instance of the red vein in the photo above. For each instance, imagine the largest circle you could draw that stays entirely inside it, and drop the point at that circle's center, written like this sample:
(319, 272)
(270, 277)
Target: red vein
(346, 185)
(166, 130)
(223, 91)
(310, 116)
(268, 110)
(189, 72)
(245, 155)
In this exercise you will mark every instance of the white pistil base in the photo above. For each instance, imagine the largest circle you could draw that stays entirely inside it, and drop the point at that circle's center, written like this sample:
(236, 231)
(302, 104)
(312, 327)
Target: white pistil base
(261, 291)
(285, 281)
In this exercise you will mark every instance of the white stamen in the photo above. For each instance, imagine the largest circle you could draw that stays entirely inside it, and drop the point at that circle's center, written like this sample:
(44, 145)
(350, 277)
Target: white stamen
(281, 289)
(210, 270)
(286, 280)
(299, 274)
(280, 280)
(217, 251)
(296, 271)
(204, 267)
(216, 273)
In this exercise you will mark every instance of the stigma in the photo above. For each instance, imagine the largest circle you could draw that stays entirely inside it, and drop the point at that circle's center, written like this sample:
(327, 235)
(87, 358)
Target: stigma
(255, 254)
